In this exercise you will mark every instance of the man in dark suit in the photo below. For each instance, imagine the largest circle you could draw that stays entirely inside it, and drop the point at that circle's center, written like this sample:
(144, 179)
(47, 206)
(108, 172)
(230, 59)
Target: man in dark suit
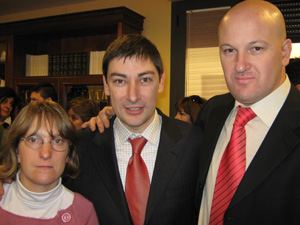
(133, 77)
(254, 51)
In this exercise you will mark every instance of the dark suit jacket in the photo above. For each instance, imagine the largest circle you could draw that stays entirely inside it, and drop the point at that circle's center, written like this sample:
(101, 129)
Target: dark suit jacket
(269, 192)
(172, 192)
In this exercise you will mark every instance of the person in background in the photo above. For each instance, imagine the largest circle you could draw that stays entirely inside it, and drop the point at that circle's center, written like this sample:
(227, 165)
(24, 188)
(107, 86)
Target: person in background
(81, 110)
(42, 92)
(8, 103)
(40, 148)
(187, 108)
(293, 72)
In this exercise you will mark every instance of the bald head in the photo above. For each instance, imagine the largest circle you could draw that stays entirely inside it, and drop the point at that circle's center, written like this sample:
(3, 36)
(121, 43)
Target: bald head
(256, 10)
(253, 50)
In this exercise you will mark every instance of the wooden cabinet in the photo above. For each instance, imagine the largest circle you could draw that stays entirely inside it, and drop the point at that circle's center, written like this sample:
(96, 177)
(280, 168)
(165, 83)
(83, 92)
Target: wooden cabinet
(71, 33)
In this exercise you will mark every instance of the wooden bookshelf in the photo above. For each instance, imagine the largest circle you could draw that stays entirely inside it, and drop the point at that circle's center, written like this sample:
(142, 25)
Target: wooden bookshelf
(71, 33)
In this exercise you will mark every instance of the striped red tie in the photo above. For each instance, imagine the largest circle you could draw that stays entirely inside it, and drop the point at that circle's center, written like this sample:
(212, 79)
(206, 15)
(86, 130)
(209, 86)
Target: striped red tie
(137, 182)
(232, 167)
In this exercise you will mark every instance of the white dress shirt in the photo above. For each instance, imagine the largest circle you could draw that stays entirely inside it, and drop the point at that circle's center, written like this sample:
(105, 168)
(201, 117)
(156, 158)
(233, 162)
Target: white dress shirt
(266, 111)
(124, 148)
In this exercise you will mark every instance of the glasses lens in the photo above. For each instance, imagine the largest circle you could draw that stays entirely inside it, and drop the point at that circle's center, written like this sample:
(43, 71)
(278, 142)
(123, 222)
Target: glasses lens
(59, 144)
(33, 142)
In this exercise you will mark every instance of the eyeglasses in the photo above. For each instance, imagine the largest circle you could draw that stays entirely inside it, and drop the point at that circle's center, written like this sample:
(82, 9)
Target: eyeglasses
(57, 144)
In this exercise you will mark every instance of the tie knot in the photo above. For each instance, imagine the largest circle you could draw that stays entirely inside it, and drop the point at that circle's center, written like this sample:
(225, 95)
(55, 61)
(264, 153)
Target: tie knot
(137, 144)
(244, 115)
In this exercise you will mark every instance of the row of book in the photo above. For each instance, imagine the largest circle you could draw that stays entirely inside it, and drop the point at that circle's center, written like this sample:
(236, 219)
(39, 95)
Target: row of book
(65, 64)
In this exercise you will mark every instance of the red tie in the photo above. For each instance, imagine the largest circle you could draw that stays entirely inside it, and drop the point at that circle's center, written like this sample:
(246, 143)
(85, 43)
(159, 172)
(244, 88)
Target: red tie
(232, 167)
(137, 182)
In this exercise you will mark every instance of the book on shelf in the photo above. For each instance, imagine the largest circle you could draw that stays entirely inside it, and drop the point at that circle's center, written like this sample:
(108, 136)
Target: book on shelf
(96, 60)
(37, 65)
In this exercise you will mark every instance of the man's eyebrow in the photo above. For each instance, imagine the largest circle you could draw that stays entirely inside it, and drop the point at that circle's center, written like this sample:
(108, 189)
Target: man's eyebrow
(226, 45)
(146, 72)
(257, 42)
(139, 74)
(117, 74)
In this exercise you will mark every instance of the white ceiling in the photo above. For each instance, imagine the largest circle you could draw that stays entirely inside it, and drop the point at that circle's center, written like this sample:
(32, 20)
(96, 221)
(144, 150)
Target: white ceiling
(17, 6)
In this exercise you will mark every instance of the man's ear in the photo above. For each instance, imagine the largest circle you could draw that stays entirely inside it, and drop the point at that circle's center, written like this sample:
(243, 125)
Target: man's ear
(106, 89)
(161, 83)
(286, 52)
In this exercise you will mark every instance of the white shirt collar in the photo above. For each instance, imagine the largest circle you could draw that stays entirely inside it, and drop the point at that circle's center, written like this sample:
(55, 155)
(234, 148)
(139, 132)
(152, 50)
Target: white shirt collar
(150, 133)
(268, 108)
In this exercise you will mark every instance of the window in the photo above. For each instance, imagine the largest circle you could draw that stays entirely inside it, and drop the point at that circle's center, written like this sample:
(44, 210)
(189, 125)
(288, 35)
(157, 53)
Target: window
(203, 71)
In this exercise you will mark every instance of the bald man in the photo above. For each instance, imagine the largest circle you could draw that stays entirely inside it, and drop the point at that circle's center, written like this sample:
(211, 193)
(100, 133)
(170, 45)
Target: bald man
(254, 52)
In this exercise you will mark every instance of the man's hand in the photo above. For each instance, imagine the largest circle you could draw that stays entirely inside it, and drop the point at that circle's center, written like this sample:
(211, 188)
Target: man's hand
(101, 121)
(1, 186)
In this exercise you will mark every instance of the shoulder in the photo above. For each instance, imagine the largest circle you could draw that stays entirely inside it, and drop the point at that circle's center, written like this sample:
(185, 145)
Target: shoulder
(179, 131)
(82, 202)
(216, 106)
(219, 100)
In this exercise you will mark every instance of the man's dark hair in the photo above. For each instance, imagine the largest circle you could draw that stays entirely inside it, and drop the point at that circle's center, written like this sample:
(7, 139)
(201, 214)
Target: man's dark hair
(46, 90)
(132, 45)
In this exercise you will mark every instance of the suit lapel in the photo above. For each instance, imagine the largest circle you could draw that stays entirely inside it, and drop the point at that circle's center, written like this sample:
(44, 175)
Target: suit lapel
(280, 141)
(213, 123)
(106, 161)
(167, 160)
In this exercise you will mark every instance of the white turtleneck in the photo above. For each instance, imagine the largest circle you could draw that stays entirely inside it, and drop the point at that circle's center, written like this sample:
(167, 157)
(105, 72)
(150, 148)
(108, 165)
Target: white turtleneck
(20, 201)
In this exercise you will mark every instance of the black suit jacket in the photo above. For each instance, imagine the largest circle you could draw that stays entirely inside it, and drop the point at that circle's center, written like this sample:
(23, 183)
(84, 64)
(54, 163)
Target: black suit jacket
(269, 192)
(172, 192)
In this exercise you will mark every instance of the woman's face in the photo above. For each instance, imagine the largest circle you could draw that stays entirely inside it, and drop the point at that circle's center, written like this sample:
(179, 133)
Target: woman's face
(182, 115)
(6, 108)
(75, 119)
(40, 169)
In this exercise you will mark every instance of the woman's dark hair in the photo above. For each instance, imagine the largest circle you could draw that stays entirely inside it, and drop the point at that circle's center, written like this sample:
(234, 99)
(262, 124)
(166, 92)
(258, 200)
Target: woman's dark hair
(85, 108)
(190, 105)
(7, 92)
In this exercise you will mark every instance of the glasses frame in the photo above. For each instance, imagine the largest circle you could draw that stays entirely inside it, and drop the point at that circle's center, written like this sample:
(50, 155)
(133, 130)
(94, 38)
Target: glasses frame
(25, 139)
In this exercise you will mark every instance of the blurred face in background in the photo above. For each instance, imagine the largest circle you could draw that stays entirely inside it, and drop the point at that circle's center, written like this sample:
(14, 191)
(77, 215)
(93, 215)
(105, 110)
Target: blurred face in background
(6, 108)
(75, 119)
(36, 96)
(182, 115)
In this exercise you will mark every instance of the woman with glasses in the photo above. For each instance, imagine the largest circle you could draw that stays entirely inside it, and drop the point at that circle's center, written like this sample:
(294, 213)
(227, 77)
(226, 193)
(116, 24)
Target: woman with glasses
(187, 108)
(39, 149)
